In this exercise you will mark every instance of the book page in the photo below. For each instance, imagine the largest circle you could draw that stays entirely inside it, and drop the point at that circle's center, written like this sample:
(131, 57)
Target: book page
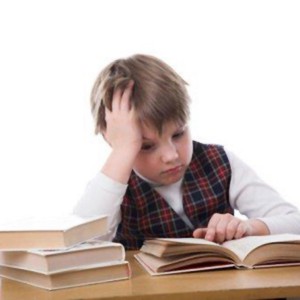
(46, 223)
(163, 247)
(147, 262)
(90, 244)
(189, 241)
(242, 247)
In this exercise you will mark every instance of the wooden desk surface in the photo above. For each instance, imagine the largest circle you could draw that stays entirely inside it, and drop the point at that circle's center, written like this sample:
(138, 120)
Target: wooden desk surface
(220, 284)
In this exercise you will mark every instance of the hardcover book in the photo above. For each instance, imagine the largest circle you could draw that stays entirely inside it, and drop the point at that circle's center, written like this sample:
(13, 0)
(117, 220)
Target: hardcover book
(99, 273)
(52, 261)
(50, 232)
(167, 256)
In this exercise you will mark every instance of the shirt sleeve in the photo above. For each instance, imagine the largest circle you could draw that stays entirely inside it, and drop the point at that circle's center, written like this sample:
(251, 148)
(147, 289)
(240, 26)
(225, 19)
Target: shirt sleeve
(252, 197)
(102, 196)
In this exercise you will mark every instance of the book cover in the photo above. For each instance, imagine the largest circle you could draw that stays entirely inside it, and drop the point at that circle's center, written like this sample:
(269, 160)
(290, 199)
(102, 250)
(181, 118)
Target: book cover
(99, 273)
(52, 261)
(50, 232)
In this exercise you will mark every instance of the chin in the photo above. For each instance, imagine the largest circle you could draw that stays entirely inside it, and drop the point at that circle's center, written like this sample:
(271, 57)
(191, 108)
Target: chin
(172, 180)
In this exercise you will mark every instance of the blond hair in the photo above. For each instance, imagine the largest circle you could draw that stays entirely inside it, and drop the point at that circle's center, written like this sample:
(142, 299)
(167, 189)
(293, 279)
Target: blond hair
(159, 93)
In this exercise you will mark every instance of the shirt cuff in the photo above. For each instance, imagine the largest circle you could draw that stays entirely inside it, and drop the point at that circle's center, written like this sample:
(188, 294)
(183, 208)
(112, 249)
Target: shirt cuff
(289, 223)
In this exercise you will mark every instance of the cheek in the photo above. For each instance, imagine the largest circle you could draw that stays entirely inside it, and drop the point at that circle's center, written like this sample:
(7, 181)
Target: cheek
(186, 150)
(144, 163)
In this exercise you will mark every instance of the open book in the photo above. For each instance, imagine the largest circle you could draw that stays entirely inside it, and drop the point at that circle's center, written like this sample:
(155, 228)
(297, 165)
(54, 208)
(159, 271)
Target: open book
(166, 255)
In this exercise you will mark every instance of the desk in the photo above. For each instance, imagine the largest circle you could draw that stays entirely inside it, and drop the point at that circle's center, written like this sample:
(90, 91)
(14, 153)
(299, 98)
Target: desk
(219, 284)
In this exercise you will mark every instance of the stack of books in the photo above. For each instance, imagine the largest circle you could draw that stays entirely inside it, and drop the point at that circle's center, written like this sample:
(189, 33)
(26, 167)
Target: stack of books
(60, 252)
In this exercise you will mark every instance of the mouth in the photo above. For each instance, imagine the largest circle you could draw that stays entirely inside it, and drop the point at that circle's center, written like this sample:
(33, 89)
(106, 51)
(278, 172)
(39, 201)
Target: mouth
(174, 170)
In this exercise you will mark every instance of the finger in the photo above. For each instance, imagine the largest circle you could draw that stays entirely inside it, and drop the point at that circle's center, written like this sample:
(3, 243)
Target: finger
(241, 230)
(220, 223)
(231, 229)
(211, 227)
(210, 234)
(214, 220)
(220, 229)
(199, 233)
(125, 101)
(116, 100)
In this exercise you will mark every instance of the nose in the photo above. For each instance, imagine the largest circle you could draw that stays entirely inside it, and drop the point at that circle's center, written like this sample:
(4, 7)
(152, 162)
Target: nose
(169, 153)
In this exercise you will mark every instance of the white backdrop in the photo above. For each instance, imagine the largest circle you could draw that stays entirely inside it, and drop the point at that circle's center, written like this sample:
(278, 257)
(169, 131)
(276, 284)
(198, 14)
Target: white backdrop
(241, 59)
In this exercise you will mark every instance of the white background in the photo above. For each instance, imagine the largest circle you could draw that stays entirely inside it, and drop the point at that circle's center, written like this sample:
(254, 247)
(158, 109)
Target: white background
(240, 58)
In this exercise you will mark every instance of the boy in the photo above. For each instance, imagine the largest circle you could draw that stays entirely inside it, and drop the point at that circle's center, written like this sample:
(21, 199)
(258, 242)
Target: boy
(157, 182)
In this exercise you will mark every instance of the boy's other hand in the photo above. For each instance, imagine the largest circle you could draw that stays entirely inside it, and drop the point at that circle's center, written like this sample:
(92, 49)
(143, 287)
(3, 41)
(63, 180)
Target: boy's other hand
(123, 131)
(226, 227)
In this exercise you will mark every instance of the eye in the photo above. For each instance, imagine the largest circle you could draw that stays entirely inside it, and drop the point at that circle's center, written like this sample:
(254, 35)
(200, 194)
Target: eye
(147, 147)
(178, 135)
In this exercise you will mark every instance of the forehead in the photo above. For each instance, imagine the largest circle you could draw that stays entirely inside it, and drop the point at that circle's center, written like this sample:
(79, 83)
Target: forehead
(151, 132)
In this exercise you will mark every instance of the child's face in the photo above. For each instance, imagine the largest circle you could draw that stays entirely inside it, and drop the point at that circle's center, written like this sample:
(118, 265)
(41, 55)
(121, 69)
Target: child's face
(164, 158)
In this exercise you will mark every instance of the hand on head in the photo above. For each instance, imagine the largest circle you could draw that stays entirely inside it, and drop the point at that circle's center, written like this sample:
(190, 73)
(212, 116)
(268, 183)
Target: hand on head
(123, 130)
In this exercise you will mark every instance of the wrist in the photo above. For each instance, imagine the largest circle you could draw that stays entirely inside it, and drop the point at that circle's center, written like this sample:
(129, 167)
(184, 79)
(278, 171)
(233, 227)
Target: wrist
(119, 164)
(257, 227)
(128, 151)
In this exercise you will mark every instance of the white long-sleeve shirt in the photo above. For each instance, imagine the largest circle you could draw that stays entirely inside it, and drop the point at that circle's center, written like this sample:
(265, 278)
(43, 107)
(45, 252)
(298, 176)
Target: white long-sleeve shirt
(247, 193)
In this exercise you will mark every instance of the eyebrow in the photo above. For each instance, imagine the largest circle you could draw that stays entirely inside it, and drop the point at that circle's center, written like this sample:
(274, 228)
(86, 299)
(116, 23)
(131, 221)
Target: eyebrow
(183, 127)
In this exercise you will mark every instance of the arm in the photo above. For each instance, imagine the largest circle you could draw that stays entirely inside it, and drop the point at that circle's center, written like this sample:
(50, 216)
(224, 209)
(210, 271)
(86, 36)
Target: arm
(102, 196)
(105, 192)
(252, 197)
(268, 213)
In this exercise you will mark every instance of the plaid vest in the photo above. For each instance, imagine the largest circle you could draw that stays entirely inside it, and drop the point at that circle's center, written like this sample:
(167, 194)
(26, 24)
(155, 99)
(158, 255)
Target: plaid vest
(145, 214)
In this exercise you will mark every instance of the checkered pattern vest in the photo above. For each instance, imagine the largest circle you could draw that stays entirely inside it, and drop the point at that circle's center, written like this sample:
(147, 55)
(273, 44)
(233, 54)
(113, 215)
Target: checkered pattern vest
(145, 214)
